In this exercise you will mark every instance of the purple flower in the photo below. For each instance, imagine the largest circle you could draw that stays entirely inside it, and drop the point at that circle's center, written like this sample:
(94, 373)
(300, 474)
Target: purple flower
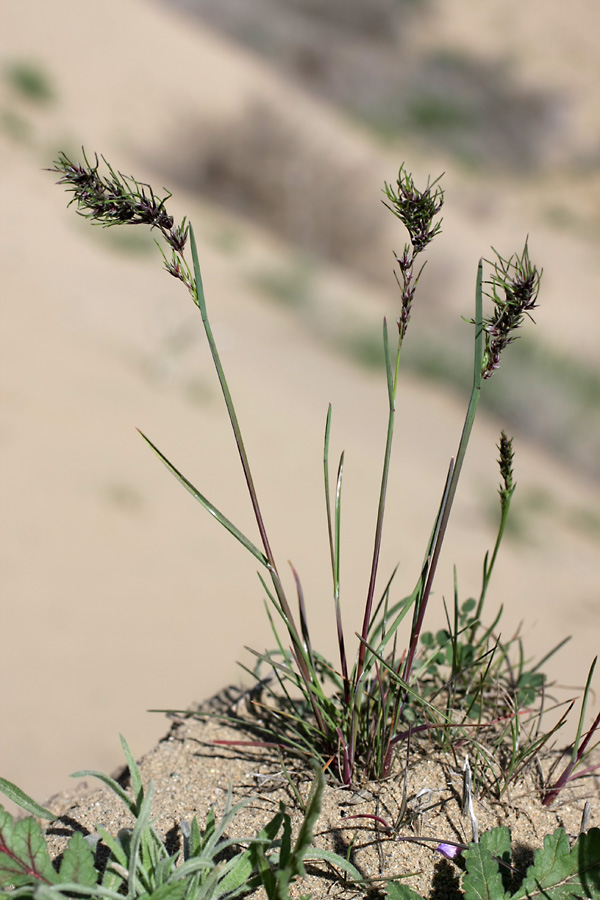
(450, 851)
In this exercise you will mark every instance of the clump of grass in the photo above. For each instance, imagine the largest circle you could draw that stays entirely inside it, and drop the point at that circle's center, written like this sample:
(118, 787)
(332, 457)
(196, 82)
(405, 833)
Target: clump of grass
(462, 685)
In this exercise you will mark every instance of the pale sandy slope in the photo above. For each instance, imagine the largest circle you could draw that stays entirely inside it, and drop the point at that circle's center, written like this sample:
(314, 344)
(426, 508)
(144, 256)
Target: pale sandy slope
(119, 593)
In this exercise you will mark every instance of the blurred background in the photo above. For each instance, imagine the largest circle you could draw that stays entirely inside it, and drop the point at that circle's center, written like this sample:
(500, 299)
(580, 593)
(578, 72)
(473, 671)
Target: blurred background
(275, 126)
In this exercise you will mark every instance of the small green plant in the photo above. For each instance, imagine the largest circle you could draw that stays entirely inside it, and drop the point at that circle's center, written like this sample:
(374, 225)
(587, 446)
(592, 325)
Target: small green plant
(559, 871)
(210, 867)
(462, 684)
(30, 81)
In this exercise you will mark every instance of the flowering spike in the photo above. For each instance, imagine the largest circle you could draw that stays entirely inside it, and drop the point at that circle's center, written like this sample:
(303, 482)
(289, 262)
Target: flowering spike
(514, 287)
(505, 462)
(416, 210)
(117, 199)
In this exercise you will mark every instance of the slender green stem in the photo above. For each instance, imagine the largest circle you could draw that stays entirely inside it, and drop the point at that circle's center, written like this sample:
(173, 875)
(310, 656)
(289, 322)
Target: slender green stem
(392, 389)
(308, 676)
(578, 747)
(392, 383)
(333, 532)
(488, 568)
(201, 303)
(446, 508)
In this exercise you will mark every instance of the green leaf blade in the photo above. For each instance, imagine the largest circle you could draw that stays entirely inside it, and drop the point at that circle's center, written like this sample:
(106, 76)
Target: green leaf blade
(208, 506)
(587, 849)
(396, 891)
(172, 891)
(560, 873)
(23, 800)
(482, 880)
(134, 773)
(110, 783)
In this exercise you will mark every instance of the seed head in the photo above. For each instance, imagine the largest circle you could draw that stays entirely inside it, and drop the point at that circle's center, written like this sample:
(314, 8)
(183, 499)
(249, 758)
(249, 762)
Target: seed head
(416, 209)
(505, 461)
(514, 286)
(117, 199)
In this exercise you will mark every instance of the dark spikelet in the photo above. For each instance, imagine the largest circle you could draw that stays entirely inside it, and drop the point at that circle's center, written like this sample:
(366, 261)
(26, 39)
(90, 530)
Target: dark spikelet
(416, 210)
(513, 288)
(117, 199)
(505, 462)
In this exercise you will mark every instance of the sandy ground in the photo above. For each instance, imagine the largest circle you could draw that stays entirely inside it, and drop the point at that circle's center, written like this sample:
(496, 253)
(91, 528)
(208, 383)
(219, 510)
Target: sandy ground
(191, 774)
(119, 594)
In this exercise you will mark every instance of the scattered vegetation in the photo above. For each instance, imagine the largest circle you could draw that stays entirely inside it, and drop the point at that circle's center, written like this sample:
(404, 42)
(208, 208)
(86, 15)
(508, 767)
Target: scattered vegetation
(568, 426)
(365, 60)
(30, 81)
(271, 172)
(290, 285)
(15, 126)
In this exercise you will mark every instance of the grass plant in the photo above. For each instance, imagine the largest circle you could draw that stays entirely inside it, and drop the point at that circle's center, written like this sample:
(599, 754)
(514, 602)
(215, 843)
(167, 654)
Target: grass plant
(459, 685)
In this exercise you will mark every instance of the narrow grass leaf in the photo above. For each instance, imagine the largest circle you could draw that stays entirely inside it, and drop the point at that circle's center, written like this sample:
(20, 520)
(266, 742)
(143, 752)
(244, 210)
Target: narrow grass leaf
(23, 800)
(550, 653)
(115, 847)
(378, 625)
(257, 854)
(223, 520)
(335, 860)
(200, 298)
(236, 874)
(176, 890)
(435, 713)
(586, 693)
(305, 835)
(138, 838)
(134, 773)
(109, 782)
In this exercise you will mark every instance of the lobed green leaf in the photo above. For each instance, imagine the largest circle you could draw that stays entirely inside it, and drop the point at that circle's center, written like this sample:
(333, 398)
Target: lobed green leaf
(561, 873)
(396, 891)
(24, 857)
(483, 880)
(78, 862)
